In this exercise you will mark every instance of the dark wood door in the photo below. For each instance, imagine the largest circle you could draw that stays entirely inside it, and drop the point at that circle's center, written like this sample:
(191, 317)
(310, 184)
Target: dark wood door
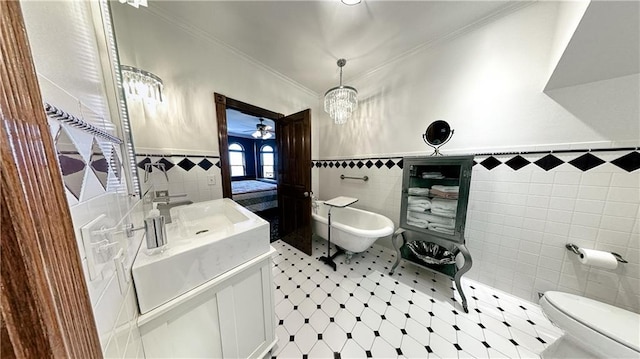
(294, 179)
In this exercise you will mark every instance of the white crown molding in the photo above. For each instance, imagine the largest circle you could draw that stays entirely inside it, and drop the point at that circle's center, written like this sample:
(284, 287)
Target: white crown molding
(197, 32)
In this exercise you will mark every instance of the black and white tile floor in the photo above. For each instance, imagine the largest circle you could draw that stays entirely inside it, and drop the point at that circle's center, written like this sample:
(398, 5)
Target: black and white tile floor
(360, 311)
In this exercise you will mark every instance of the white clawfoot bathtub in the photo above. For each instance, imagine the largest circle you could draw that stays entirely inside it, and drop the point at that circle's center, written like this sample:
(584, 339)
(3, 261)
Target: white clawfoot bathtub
(353, 230)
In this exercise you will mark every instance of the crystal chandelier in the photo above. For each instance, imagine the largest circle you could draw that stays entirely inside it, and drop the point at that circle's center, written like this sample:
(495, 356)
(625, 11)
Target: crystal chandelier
(341, 101)
(141, 84)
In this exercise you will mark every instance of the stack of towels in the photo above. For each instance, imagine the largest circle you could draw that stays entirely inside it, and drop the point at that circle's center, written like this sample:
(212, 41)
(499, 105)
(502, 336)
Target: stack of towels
(418, 204)
(450, 192)
(431, 222)
(444, 207)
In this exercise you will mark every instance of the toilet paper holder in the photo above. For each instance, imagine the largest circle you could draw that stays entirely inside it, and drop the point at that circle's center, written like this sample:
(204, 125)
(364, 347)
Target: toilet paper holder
(574, 249)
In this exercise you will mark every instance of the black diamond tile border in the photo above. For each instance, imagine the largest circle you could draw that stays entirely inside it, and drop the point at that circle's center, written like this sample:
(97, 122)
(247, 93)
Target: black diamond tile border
(549, 162)
(142, 163)
(629, 162)
(205, 164)
(586, 162)
(167, 164)
(490, 163)
(186, 164)
(517, 162)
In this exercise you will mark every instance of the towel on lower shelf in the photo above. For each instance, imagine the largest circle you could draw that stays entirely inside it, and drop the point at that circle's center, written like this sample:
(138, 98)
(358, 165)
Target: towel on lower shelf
(417, 223)
(417, 208)
(414, 199)
(431, 218)
(439, 212)
(418, 191)
(436, 228)
(419, 203)
(444, 205)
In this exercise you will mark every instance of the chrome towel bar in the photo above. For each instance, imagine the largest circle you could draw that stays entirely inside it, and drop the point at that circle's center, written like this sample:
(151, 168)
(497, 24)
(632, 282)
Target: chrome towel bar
(364, 178)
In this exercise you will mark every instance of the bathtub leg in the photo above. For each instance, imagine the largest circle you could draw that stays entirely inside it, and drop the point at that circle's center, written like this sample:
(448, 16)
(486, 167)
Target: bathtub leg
(349, 255)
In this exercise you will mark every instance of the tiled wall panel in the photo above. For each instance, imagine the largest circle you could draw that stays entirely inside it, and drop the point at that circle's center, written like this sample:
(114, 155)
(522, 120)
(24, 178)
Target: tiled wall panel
(112, 298)
(190, 175)
(522, 212)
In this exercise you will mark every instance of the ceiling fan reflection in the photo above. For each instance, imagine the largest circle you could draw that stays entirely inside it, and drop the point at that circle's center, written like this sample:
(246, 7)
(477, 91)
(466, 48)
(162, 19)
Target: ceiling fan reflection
(262, 131)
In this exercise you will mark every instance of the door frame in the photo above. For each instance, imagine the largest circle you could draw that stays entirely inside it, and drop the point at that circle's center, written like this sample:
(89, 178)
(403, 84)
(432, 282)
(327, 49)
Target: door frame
(222, 104)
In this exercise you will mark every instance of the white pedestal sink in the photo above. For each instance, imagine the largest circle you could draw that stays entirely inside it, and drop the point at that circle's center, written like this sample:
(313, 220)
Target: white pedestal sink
(210, 293)
(205, 240)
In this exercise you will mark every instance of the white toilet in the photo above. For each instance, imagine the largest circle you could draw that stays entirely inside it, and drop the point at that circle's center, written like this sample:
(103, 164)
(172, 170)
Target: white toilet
(592, 329)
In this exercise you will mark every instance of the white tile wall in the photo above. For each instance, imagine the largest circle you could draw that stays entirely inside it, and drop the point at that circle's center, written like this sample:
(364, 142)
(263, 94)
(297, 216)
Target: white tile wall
(114, 304)
(519, 221)
(194, 183)
(70, 76)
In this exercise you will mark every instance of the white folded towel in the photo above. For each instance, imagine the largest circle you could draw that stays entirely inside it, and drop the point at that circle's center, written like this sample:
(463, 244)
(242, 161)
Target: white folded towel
(450, 225)
(441, 213)
(413, 199)
(444, 204)
(450, 189)
(419, 203)
(431, 218)
(436, 228)
(436, 175)
(418, 191)
(417, 223)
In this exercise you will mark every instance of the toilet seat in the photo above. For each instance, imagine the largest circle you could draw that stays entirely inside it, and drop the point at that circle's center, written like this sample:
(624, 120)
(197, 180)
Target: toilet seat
(602, 327)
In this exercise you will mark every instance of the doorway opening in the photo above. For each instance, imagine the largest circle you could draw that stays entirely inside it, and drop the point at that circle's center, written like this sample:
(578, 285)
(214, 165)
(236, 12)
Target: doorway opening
(250, 175)
(291, 166)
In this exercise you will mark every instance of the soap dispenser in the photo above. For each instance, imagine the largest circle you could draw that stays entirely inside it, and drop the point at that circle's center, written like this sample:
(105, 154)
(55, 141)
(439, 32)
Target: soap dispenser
(155, 232)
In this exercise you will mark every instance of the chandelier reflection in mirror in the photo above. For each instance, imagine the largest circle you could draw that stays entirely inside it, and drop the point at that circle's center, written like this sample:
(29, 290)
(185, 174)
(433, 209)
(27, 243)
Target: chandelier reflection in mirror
(340, 102)
(141, 84)
(135, 3)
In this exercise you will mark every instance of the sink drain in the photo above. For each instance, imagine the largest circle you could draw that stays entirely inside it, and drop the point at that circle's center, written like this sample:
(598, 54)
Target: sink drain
(202, 231)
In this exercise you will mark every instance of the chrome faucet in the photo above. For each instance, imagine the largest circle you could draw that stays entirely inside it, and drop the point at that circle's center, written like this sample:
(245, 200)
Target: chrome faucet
(148, 167)
(164, 203)
(164, 197)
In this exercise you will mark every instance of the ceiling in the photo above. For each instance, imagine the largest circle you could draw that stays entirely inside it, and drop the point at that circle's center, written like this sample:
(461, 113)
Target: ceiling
(302, 40)
(605, 45)
(243, 125)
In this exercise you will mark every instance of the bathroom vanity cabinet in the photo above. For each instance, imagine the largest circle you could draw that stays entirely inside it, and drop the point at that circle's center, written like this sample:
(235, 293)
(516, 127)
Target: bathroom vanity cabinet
(230, 316)
(435, 194)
